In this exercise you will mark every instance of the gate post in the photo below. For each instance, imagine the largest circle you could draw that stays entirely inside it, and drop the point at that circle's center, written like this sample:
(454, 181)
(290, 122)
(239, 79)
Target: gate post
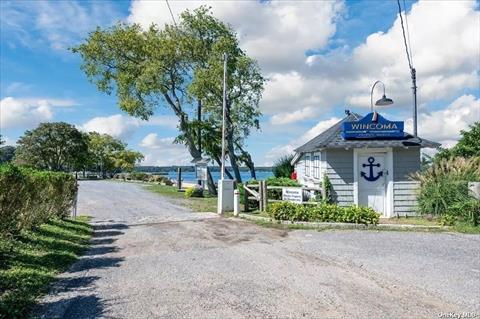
(265, 196)
(260, 193)
(245, 198)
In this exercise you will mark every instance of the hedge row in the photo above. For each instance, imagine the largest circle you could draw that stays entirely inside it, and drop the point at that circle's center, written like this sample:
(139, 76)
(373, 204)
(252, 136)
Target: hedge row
(30, 197)
(323, 213)
(144, 177)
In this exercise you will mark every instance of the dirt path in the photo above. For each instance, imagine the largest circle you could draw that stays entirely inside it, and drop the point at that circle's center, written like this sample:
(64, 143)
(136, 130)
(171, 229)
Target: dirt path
(153, 259)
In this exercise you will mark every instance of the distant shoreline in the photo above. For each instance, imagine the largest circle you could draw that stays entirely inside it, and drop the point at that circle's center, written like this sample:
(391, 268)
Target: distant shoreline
(166, 169)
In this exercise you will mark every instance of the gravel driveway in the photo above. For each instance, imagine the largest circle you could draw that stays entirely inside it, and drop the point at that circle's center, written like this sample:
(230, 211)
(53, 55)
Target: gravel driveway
(153, 259)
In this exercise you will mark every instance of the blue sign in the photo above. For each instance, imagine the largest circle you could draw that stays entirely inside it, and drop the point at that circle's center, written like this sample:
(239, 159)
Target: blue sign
(372, 126)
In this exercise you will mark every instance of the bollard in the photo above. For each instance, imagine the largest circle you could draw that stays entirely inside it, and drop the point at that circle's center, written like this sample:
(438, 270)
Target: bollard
(236, 202)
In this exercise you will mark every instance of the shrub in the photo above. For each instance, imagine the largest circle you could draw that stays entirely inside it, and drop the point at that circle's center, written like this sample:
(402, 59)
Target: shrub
(283, 210)
(194, 191)
(283, 167)
(468, 211)
(445, 185)
(30, 197)
(327, 189)
(323, 213)
(139, 176)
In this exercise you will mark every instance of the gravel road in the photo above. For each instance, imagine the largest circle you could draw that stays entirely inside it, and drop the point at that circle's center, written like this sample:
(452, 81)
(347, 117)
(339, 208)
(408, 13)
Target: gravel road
(153, 259)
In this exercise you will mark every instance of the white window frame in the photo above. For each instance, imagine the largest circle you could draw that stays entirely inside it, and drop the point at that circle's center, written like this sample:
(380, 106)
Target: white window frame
(307, 165)
(316, 166)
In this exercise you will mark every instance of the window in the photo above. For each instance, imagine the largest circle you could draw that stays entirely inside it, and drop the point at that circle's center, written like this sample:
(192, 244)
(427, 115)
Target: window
(307, 165)
(316, 166)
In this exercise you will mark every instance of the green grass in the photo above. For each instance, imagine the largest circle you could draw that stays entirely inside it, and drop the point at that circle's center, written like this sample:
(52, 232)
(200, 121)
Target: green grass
(410, 221)
(461, 227)
(30, 261)
(202, 204)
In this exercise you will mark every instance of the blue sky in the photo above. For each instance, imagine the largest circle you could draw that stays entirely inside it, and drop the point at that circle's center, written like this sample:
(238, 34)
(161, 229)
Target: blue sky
(320, 58)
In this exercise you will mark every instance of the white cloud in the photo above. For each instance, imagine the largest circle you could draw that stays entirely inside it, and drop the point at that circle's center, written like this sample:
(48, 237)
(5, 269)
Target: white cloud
(28, 112)
(118, 126)
(445, 56)
(444, 125)
(291, 117)
(287, 28)
(163, 152)
(54, 24)
(122, 126)
(281, 150)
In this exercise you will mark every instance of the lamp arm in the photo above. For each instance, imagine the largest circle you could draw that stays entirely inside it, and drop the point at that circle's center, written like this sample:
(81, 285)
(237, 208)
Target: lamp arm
(371, 93)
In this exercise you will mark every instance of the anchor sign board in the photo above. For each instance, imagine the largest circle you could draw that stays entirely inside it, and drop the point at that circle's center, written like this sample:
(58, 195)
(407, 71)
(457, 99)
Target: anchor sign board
(372, 125)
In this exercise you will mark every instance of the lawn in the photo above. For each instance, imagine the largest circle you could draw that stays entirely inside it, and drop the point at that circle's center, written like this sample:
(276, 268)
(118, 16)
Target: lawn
(30, 261)
(202, 204)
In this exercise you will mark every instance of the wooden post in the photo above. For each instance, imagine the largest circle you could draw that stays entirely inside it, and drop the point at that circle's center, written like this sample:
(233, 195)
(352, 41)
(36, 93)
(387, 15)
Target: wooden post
(245, 199)
(260, 193)
(179, 178)
(265, 196)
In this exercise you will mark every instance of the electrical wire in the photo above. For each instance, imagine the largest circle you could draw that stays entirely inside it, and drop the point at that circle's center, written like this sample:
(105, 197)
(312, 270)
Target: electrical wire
(171, 13)
(404, 37)
(408, 31)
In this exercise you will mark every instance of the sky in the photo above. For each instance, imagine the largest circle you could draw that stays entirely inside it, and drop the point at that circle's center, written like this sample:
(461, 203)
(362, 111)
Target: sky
(320, 58)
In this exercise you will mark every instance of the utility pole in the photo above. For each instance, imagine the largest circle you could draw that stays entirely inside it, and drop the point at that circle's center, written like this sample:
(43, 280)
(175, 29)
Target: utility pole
(225, 58)
(225, 200)
(199, 129)
(414, 89)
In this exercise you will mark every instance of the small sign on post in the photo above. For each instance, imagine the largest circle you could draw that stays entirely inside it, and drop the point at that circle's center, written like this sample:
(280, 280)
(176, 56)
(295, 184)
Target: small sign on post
(292, 194)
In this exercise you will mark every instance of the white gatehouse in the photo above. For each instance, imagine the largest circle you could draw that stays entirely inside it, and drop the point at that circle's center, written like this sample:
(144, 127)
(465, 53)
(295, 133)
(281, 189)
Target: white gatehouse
(368, 161)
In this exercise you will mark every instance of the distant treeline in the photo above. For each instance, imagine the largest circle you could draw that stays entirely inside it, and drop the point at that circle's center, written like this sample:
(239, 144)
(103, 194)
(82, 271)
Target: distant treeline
(166, 169)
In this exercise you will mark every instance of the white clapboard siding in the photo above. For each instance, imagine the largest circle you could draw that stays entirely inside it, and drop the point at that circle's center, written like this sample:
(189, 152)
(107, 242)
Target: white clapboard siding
(339, 170)
(405, 197)
(405, 162)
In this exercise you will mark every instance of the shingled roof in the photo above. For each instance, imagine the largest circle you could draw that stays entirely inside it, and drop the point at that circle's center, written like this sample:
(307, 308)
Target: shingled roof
(332, 138)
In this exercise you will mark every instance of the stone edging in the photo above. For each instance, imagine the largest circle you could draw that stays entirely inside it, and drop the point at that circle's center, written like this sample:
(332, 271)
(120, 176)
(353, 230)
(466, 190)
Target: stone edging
(343, 225)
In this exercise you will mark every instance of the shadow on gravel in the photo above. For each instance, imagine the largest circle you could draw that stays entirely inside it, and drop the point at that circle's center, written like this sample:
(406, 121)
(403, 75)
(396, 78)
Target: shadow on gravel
(108, 233)
(78, 307)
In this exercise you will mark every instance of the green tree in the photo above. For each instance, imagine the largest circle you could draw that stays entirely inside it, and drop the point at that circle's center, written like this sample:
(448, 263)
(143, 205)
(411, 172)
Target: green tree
(108, 154)
(7, 153)
(283, 166)
(126, 159)
(468, 145)
(175, 67)
(54, 146)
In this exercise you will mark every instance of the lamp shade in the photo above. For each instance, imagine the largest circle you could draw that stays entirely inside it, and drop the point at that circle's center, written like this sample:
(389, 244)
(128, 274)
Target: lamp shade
(384, 101)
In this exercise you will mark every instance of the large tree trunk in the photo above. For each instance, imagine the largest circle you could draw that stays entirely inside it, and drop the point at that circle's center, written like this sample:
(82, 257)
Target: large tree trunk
(219, 162)
(247, 160)
(189, 140)
(211, 183)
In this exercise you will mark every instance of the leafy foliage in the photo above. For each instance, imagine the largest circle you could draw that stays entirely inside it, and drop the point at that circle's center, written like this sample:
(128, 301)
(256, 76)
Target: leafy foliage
(444, 186)
(7, 153)
(174, 67)
(323, 213)
(327, 189)
(107, 154)
(30, 197)
(54, 146)
(194, 191)
(468, 145)
(283, 167)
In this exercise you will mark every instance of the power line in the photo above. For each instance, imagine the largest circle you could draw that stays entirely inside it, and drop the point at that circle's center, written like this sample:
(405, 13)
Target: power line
(404, 37)
(171, 13)
(408, 31)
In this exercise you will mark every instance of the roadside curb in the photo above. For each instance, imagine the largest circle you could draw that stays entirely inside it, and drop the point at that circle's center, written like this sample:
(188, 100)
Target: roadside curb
(327, 225)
